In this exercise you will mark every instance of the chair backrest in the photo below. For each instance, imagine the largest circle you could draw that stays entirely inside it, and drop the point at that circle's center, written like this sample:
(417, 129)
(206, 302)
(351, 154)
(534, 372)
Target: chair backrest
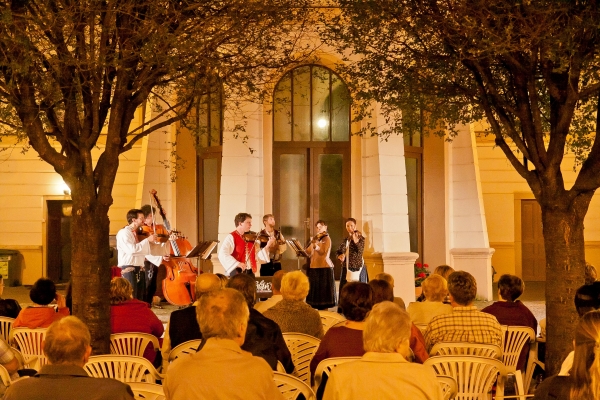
(324, 368)
(474, 375)
(6, 324)
(291, 387)
(131, 343)
(449, 386)
(29, 343)
(122, 368)
(147, 391)
(4, 376)
(188, 347)
(22, 363)
(329, 319)
(302, 347)
(513, 340)
(422, 327)
(466, 349)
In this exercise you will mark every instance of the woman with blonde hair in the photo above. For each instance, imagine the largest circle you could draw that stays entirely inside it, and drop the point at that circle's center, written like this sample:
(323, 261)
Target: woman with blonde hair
(435, 289)
(130, 315)
(584, 381)
(292, 314)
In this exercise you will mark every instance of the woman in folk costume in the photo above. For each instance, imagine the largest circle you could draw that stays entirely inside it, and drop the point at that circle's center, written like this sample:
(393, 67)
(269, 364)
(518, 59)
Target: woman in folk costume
(320, 272)
(350, 253)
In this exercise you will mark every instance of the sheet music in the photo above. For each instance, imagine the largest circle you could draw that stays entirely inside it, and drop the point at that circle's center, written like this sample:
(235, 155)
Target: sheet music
(297, 247)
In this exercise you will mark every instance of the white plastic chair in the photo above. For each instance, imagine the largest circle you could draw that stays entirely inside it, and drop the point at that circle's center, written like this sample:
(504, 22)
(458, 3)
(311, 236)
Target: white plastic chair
(532, 361)
(188, 347)
(132, 343)
(302, 347)
(466, 349)
(22, 363)
(514, 339)
(5, 376)
(448, 385)
(147, 391)
(291, 387)
(29, 343)
(6, 324)
(474, 375)
(122, 368)
(325, 367)
(329, 319)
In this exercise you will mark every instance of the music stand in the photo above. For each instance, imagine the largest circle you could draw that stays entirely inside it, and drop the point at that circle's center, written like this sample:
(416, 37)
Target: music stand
(202, 250)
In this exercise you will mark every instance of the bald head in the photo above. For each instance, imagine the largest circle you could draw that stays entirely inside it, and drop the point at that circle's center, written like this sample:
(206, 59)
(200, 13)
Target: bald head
(205, 283)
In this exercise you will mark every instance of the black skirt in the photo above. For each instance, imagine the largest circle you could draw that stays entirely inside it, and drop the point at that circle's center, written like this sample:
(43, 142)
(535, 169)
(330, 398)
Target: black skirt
(322, 288)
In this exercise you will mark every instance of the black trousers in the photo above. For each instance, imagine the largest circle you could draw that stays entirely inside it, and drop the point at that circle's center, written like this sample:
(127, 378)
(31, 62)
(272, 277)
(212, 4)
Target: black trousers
(137, 278)
(270, 268)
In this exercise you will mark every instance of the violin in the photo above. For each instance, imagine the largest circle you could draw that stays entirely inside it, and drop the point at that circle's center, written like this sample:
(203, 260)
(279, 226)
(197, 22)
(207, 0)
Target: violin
(252, 236)
(162, 235)
(317, 238)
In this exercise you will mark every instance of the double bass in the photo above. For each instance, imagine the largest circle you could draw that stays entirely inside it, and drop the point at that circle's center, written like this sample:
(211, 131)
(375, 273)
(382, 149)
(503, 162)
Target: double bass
(178, 285)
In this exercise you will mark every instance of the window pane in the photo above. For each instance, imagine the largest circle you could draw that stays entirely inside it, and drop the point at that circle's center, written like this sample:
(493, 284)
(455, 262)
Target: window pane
(210, 193)
(413, 209)
(292, 197)
(202, 128)
(215, 118)
(320, 102)
(282, 108)
(340, 109)
(302, 104)
(331, 195)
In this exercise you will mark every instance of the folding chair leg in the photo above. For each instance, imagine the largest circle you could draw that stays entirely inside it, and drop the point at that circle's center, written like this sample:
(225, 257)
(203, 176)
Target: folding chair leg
(519, 383)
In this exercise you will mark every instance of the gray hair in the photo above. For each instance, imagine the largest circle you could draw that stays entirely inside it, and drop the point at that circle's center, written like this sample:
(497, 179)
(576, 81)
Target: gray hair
(294, 286)
(386, 327)
(220, 313)
(67, 341)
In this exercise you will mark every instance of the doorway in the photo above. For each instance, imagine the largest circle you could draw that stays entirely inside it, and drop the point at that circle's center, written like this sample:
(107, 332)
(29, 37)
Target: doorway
(533, 256)
(58, 232)
(311, 156)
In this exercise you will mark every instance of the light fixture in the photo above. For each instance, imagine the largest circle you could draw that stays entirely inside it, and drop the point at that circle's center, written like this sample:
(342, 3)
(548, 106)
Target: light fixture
(322, 123)
(66, 189)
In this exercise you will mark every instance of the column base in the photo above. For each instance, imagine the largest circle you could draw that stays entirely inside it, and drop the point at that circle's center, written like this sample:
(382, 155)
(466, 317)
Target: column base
(477, 262)
(402, 268)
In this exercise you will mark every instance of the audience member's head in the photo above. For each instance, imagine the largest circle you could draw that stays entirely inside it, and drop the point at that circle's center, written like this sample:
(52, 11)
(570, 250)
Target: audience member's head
(382, 291)
(224, 279)
(387, 329)
(294, 286)
(356, 300)
(68, 342)
(587, 298)
(205, 283)
(444, 270)
(384, 276)
(590, 273)
(246, 285)
(120, 290)
(223, 314)
(585, 372)
(276, 281)
(510, 287)
(435, 288)
(43, 292)
(462, 288)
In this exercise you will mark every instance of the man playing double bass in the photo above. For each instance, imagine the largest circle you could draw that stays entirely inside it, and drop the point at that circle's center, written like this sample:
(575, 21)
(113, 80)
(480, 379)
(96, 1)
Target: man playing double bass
(237, 254)
(271, 250)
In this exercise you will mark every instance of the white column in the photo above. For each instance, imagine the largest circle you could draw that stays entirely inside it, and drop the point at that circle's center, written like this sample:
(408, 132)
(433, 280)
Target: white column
(469, 245)
(242, 178)
(385, 210)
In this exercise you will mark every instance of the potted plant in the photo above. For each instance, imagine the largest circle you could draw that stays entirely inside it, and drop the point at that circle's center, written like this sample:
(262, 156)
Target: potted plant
(421, 273)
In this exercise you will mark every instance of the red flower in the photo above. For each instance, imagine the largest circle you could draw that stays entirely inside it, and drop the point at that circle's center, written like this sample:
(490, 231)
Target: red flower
(418, 265)
(422, 275)
(426, 265)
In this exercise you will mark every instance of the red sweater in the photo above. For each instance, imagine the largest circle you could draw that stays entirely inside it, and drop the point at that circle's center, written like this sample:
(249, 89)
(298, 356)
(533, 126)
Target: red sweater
(136, 316)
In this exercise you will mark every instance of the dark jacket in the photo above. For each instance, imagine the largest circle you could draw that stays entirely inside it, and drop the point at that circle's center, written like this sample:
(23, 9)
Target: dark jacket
(183, 326)
(264, 339)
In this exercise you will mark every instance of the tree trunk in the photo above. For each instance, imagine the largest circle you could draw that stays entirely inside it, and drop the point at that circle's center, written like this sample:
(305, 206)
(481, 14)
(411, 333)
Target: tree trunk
(90, 276)
(565, 258)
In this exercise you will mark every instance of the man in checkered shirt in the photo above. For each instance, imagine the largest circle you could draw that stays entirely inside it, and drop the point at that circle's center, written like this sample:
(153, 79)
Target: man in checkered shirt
(465, 324)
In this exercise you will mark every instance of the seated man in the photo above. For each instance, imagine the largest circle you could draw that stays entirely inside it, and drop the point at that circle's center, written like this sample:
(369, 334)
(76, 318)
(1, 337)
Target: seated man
(67, 347)
(221, 369)
(510, 311)
(277, 296)
(183, 325)
(465, 323)
(383, 372)
(263, 336)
